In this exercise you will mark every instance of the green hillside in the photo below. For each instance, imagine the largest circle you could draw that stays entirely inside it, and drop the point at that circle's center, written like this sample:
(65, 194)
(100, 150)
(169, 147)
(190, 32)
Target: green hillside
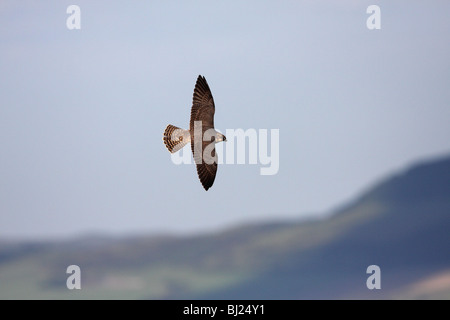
(402, 225)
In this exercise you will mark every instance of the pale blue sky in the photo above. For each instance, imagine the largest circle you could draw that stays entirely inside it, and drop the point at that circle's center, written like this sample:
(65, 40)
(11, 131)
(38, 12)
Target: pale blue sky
(82, 111)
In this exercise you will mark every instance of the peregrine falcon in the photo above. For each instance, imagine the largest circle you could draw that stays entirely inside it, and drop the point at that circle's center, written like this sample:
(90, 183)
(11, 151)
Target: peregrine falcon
(201, 134)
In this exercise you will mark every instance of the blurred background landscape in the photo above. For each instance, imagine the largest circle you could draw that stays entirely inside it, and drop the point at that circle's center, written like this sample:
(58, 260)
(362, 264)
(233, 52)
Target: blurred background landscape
(364, 163)
(401, 224)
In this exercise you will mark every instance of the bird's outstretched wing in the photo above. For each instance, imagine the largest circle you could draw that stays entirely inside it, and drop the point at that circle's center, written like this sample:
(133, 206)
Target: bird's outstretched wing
(203, 110)
(202, 105)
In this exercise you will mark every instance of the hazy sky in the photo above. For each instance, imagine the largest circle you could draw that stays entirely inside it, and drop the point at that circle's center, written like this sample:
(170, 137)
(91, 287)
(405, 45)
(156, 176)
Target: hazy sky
(82, 111)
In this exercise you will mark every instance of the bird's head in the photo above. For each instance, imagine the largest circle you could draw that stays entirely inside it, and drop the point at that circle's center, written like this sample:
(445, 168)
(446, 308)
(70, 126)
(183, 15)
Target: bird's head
(220, 137)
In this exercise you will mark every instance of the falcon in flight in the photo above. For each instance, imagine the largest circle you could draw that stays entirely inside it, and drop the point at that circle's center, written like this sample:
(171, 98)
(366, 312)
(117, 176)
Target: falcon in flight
(201, 134)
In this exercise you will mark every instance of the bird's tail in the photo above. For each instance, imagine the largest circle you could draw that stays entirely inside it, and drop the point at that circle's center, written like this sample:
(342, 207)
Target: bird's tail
(175, 138)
